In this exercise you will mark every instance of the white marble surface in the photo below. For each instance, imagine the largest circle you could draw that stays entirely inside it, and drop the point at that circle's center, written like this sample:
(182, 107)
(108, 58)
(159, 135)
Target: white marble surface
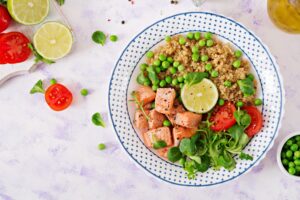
(48, 155)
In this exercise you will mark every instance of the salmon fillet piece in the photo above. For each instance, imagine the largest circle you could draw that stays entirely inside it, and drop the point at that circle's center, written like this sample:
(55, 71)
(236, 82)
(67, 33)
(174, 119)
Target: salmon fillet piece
(178, 108)
(162, 133)
(164, 100)
(180, 132)
(140, 120)
(188, 119)
(156, 119)
(163, 152)
(145, 94)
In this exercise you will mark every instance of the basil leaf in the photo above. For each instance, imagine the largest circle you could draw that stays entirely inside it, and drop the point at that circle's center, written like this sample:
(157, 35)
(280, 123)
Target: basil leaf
(174, 154)
(159, 144)
(38, 88)
(195, 77)
(246, 86)
(244, 156)
(99, 37)
(187, 147)
(97, 120)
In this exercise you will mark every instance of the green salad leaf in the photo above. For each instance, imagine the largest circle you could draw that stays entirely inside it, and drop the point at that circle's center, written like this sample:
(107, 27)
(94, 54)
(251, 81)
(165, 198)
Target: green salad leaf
(246, 86)
(3, 2)
(195, 77)
(99, 37)
(239, 139)
(97, 120)
(37, 88)
(60, 2)
(187, 147)
(141, 78)
(245, 156)
(38, 57)
(174, 154)
(242, 118)
(159, 144)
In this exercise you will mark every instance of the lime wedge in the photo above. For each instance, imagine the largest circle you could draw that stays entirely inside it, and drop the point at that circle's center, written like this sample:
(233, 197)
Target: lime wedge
(200, 97)
(28, 12)
(53, 40)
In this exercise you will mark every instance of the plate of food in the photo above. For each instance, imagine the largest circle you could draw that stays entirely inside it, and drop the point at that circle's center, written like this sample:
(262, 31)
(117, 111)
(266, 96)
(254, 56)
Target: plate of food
(196, 99)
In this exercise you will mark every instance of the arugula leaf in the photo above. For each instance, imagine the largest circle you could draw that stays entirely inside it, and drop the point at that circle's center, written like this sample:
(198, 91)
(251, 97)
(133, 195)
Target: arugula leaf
(159, 144)
(60, 2)
(187, 147)
(38, 88)
(245, 156)
(99, 37)
(38, 57)
(195, 77)
(97, 120)
(139, 104)
(174, 154)
(242, 118)
(246, 86)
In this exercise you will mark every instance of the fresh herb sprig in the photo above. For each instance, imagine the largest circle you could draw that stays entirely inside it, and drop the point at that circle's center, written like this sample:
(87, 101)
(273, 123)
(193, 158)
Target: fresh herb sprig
(139, 104)
(38, 57)
(195, 77)
(60, 2)
(37, 88)
(245, 156)
(3, 2)
(98, 120)
(99, 37)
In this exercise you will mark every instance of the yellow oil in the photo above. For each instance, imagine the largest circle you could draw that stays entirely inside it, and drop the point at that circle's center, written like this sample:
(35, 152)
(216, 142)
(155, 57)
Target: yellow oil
(285, 14)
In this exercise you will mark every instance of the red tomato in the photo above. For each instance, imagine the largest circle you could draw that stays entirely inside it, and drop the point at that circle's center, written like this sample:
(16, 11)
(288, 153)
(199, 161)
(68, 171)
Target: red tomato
(58, 97)
(222, 117)
(4, 18)
(256, 120)
(14, 47)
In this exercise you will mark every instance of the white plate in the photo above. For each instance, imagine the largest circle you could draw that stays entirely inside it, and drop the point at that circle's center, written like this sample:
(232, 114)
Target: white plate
(123, 81)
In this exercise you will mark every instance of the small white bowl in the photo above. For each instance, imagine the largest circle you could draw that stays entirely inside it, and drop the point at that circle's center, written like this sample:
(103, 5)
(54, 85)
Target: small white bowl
(280, 146)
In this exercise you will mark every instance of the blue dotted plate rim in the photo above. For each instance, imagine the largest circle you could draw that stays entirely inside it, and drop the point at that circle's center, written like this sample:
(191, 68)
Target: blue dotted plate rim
(279, 77)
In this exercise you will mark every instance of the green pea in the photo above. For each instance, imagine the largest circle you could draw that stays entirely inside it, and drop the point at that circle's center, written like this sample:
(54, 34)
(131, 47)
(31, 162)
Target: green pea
(149, 54)
(236, 63)
(113, 38)
(227, 83)
(297, 138)
(156, 63)
(251, 77)
(182, 41)
(181, 85)
(101, 146)
(172, 70)
(292, 170)
(174, 82)
(285, 162)
(195, 49)
(165, 64)
(289, 142)
(197, 36)
(289, 154)
(167, 123)
(204, 58)
(154, 87)
(147, 82)
(298, 143)
(143, 66)
(190, 35)
(258, 102)
(152, 105)
(297, 168)
(294, 147)
(162, 83)
(162, 57)
(297, 154)
(168, 38)
(53, 81)
(208, 35)
(170, 60)
(214, 74)
(195, 57)
(150, 68)
(283, 155)
(238, 53)
(209, 43)
(208, 66)
(221, 102)
(181, 68)
(185, 76)
(291, 164)
(239, 104)
(297, 162)
(84, 92)
(180, 79)
(176, 64)
(157, 70)
(168, 79)
(202, 43)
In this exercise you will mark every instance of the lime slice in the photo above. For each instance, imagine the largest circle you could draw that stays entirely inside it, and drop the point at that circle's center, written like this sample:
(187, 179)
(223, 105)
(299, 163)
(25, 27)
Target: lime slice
(28, 12)
(53, 40)
(200, 97)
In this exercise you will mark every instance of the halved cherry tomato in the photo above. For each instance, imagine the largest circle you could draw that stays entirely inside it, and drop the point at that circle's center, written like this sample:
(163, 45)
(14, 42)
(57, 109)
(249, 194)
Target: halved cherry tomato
(14, 47)
(256, 120)
(58, 97)
(4, 18)
(222, 117)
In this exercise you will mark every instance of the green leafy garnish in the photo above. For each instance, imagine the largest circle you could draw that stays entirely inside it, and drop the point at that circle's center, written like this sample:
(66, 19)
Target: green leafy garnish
(159, 144)
(174, 154)
(242, 118)
(38, 88)
(3, 2)
(195, 77)
(38, 57)
(139, 104)
(141, 78)
(60, 2)
(99, 37)
(245, 156)
(97, 120)
(187, 147)
(246, 86)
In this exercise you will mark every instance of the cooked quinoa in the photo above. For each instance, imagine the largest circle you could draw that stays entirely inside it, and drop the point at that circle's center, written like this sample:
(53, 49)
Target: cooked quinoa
(220, 55)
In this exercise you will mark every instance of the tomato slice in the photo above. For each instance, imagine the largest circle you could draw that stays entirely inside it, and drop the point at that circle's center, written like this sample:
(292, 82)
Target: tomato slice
(222, 117)
(4, 18)
(256, 120)
(14, 47)
(58, 97)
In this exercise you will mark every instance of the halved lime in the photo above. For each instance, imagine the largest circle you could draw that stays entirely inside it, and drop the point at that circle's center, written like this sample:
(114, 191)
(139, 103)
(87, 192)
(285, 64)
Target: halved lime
(53, 40)
(200, 97)
(28, 12)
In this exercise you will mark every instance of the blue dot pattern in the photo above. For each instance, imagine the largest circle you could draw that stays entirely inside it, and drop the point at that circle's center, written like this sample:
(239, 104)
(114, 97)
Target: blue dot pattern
(123, 82)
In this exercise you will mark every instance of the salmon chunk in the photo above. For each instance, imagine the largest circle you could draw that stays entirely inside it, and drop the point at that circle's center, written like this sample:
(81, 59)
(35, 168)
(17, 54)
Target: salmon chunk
(178, 108)
(164, 100)
(140, 120)
(181, 132)
(163, 152)
(188, 119)
(156, 119)
(145, 94)
(162, 133)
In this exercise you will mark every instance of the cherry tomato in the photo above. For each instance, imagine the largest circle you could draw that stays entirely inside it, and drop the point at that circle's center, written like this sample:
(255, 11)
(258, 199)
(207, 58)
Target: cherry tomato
(222, 117)
(4, 18)
(58, 97)
(14, 47)
(256, 120)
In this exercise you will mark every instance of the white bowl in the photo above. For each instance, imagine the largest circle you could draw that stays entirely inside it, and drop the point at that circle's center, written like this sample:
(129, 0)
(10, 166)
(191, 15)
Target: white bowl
(279, 149)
